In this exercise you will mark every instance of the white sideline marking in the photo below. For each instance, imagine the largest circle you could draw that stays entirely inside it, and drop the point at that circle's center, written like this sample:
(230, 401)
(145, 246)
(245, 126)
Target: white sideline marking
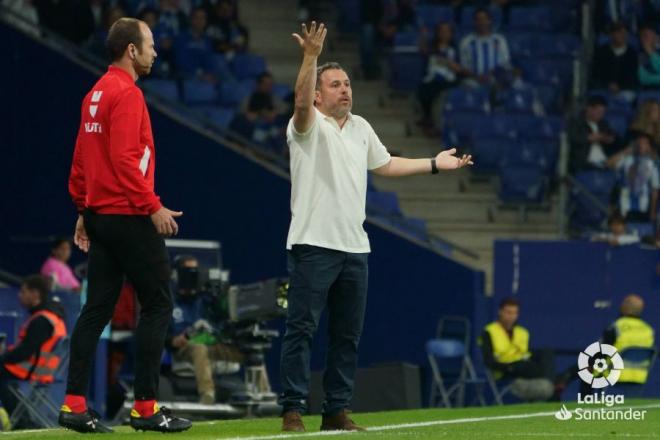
(415, 425)
(379, 428)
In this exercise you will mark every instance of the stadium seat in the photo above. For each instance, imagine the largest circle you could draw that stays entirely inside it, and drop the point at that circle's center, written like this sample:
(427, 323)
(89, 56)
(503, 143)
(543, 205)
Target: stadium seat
(430, 15)
(466, 98)
(618, 120)
(648, 95)
(406, 71)
(521, 44)
(641, 229)
(465, 126)
(489, 152)
(522, 184)
(557, 72)
(614, 100)
(586, 214)
(383, 203)
(219, 116)
(530, 18)
(406, 41)
(519, 101)
(197, 92)
(232, 94)
(466, 22)
(526, 154)
(544, 127)
(163, 88)
(558, 45)
(245, 66)
(282, 91)
(550, 98)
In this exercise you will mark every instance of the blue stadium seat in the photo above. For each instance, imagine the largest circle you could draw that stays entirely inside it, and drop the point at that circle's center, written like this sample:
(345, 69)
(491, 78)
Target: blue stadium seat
(219, 116)
(550, 97)
(548, 127)
(527, 154)
(232, 94)
(467, 99)
(383, 203)
(464, 125)
(557, 72)
(521, 44)
(614, 100)
(431, 15)
(282, 91)
(618, 120)
(501, 126)
(467, 17)
(163, 88)
(406, 71)
(558, 45)
(648, 95)
(522, 184)
(600, 184)
(641, 229)
(406, 41)
(196, 92)
(519, 101)
(246, 65)
(488, 153)
(530, 18)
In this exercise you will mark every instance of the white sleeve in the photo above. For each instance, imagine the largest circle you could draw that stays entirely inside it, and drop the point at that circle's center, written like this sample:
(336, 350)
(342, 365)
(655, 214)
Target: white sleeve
(301, 138)
(378, 154)
(505, 56)
(466, 55)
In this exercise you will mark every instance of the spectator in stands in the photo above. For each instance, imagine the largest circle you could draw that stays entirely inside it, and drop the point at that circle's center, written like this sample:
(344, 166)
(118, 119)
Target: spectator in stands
(96, 43)
(57, 269)
(484, 54)
(263, 116)
(638, 180)
(649, 60)
(442, 70)
(33, 357)
(505, 347)
(193, 49)
(630, 330)
(226, 33)
(592, 141)
(190, 336)
(172, 20)
(617, 235)
(615, 63)
(648, 121)
(23, 15)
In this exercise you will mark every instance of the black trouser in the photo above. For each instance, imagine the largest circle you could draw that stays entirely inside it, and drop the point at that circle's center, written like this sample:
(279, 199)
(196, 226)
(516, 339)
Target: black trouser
(541, 365)
(123, 246)
(322, 277)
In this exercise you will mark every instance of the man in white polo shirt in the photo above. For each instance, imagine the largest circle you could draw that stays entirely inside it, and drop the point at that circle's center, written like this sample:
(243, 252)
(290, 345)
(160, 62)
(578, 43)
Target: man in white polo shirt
(331, 151)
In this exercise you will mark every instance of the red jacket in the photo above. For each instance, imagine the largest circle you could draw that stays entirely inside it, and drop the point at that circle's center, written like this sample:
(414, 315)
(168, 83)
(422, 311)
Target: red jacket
(114, 158)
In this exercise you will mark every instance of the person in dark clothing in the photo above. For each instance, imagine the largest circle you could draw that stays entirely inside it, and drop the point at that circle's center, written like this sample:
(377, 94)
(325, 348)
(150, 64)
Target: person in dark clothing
(592, 141)
(615, 63)
(38, 337)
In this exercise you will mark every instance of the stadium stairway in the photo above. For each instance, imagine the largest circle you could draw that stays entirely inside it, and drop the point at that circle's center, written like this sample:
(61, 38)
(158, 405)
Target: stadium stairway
(463, 210)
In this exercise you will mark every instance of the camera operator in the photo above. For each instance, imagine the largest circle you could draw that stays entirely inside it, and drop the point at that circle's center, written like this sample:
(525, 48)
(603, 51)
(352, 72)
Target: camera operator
(191, 337)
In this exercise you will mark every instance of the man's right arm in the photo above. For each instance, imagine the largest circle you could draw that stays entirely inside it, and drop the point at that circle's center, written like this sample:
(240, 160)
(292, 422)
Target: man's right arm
(312, 44)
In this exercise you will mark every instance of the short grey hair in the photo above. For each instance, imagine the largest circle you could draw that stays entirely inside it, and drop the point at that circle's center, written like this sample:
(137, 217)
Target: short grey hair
(322, 68)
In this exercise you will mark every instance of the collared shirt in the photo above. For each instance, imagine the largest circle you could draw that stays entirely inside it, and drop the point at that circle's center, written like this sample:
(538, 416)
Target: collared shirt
(329, 182)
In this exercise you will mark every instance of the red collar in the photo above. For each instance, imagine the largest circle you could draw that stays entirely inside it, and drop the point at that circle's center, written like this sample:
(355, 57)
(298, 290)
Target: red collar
(122, 73)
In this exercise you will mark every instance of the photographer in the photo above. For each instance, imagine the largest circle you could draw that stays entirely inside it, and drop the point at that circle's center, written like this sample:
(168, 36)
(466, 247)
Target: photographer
(191, 338)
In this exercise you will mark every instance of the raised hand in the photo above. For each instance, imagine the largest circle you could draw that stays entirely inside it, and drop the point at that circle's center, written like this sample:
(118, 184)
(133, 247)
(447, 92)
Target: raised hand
(446, 160)
(311, 41)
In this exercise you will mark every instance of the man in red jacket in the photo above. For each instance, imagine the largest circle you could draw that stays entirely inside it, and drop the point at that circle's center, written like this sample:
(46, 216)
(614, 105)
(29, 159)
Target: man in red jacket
(121, 224)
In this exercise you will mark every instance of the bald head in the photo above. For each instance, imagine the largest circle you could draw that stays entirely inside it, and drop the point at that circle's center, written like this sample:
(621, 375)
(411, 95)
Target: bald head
(632, 305)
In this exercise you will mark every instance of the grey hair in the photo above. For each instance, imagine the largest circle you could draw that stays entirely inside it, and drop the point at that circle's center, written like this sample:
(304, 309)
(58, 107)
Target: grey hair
(322, 68)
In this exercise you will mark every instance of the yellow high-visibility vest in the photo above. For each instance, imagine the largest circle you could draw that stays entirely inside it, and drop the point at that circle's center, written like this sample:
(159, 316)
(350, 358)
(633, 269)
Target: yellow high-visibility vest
(507, 350)
(633, 332)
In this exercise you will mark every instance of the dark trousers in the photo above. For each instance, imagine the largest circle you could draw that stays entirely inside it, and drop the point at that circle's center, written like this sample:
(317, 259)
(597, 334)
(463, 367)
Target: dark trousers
(541, 365)
(123, 246)
(322, 277)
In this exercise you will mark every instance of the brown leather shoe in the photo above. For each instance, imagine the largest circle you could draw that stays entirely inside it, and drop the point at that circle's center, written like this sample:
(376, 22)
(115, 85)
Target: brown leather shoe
(339, 422)
(292, 422)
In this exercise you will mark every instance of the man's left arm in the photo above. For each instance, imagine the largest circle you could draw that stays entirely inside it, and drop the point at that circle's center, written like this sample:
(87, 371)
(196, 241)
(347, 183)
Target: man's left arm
(36, 334)
(401, 166)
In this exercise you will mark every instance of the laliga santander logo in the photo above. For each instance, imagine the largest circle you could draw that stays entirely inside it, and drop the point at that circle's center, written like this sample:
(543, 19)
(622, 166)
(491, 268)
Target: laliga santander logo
(607, 372)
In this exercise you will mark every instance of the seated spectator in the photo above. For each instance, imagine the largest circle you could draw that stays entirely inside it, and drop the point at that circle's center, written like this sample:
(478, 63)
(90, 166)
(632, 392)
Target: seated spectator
(505, 348)
(647, 121)
(193, 50)
(649, 60)
(23, 15)
(484, 54)
(191, 338)
(592, 141)
(32, 357)
(96, 43)
(614, 66)
(172, 20)
(226, 33)
(638, 180)
(617, 235)
(442, 69)
(630, 330)
(57, 269)
(264, 116)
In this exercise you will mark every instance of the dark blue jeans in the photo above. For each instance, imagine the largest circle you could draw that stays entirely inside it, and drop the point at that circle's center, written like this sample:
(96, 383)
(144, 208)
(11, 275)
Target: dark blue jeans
(322, 277)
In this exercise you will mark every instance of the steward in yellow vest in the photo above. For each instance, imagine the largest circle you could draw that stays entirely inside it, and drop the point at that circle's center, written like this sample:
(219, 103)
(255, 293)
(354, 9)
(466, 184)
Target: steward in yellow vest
(630, 330)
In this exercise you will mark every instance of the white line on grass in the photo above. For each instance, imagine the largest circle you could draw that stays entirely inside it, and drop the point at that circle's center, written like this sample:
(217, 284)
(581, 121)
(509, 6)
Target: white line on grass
(414, 425)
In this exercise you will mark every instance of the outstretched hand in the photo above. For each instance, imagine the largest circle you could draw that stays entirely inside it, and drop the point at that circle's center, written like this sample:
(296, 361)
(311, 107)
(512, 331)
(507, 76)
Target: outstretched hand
(311, 41)
(446, 160)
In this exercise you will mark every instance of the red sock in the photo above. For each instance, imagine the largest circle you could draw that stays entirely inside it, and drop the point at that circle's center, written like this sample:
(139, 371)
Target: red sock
(76, 404)
(145, 408)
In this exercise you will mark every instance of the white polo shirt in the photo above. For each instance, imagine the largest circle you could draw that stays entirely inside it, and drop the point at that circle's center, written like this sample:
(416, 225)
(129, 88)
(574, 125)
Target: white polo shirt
(329, 182)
